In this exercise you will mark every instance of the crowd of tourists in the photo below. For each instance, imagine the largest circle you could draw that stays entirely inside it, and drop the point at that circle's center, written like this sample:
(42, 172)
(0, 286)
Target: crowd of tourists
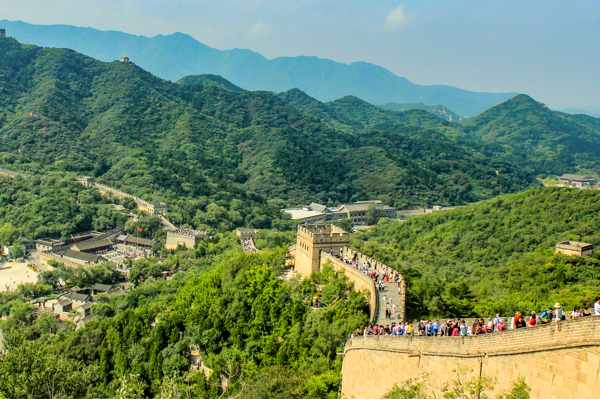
(248, 245)
(459, 327)
(189, 232)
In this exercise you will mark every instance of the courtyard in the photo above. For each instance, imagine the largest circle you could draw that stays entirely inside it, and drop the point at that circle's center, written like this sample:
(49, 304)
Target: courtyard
(13, 274)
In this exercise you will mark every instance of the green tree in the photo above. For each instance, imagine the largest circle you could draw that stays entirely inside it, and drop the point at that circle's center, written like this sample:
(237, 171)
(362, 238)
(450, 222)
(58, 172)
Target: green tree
(374, 214)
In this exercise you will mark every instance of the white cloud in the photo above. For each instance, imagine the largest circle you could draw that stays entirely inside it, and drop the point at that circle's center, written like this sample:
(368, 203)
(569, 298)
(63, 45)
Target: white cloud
(396, 19)
(258, 31)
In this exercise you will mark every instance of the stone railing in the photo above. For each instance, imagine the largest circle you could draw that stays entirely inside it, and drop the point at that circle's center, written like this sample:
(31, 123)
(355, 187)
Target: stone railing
(166, 222)
(360, 280)
(360, 259)
(575, 333)
(557, 360)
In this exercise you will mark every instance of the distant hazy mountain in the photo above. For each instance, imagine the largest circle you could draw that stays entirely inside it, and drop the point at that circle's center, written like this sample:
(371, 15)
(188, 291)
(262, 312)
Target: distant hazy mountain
(178, 55)
(438, 110)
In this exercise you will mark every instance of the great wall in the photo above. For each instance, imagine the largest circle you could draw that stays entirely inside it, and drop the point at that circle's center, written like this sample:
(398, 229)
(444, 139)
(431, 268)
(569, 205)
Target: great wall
(557, 360)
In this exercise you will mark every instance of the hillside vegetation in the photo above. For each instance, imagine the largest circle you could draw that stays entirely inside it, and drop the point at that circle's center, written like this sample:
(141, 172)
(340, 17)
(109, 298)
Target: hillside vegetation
(196, 145)
(250, 327)
(550, 142)
(437, 110)
(178, 55)
(494, 256)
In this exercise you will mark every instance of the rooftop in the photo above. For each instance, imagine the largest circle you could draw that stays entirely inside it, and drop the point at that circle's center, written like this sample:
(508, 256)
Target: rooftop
(96, 244)
(78, 297)
(81, 235)
(299, 213)
(82, 256)
(574, 244)
(100, 287)
(140, 241)
(579, 178)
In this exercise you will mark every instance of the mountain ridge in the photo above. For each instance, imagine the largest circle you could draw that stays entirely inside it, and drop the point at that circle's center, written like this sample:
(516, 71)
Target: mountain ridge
(323, 79)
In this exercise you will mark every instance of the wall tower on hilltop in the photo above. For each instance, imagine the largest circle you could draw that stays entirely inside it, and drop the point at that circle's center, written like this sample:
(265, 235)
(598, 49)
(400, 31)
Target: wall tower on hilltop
(2, 33)
(311, 239)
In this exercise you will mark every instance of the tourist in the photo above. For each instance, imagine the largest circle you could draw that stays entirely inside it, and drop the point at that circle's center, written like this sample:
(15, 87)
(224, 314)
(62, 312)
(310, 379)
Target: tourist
(547, 316)
(532, 320)
(490, 326)
(518, 321)
(455, 330)
(496, 321)
(428, 329)
(559, 312)
(576, 313)
(585, 312)
(436, 327)
(500, 326)
(597, 306)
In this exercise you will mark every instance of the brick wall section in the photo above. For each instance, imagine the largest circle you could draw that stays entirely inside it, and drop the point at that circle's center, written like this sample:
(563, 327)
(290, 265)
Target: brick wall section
(556, 363)
(379, 266)
(361, 282)
(8, 172)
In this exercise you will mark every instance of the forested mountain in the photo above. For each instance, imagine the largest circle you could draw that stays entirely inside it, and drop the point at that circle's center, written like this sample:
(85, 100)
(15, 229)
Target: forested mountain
(438, 110)
(550, 141)
(494, 256)
(209, 79)
(177, 55)
(185, 142)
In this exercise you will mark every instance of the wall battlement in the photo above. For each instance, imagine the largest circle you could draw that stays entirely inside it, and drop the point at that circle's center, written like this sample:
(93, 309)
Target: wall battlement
(324, 234)
(361, 282)
(557, 361)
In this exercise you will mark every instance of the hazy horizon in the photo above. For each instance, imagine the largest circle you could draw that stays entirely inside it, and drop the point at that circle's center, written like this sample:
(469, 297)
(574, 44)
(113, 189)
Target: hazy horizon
(549, 52)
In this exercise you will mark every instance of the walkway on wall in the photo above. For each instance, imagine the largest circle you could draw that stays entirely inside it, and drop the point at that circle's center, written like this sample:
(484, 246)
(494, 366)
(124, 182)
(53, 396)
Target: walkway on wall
(390, 291)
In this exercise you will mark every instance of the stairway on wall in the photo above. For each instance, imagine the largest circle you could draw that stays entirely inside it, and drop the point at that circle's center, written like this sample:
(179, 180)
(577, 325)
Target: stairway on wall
(390, 290)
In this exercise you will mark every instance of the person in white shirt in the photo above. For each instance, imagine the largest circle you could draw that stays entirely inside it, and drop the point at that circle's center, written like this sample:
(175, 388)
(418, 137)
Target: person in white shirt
(597, 306)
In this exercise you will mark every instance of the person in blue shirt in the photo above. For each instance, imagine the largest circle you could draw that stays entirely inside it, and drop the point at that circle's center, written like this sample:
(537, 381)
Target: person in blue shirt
(436, 327)
(428, 329)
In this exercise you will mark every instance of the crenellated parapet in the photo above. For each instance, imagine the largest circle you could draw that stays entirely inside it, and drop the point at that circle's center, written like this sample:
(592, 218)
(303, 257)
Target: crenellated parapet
(557, 360)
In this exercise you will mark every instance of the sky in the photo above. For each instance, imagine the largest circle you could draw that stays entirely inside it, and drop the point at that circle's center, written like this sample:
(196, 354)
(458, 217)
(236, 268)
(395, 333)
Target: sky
(547, 49)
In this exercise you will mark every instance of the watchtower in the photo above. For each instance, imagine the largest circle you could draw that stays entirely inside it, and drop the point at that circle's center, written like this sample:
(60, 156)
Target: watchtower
(2, 33)
(86, 181)
(125, 59)
(572, 248)
(311, 240)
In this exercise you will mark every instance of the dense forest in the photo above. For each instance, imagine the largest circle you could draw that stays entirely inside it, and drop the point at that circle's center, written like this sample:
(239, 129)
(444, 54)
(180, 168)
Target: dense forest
(197, 139)
(250, 326)
(438, 110)
(519, 131)
(494, 256)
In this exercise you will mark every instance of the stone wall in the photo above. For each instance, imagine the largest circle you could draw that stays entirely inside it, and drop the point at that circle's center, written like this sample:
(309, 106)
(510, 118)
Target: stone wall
(177, 239)
(245, 233)
(360, 280)
(311, 240)
(8, 172)
(379, 266)
(557, 361)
